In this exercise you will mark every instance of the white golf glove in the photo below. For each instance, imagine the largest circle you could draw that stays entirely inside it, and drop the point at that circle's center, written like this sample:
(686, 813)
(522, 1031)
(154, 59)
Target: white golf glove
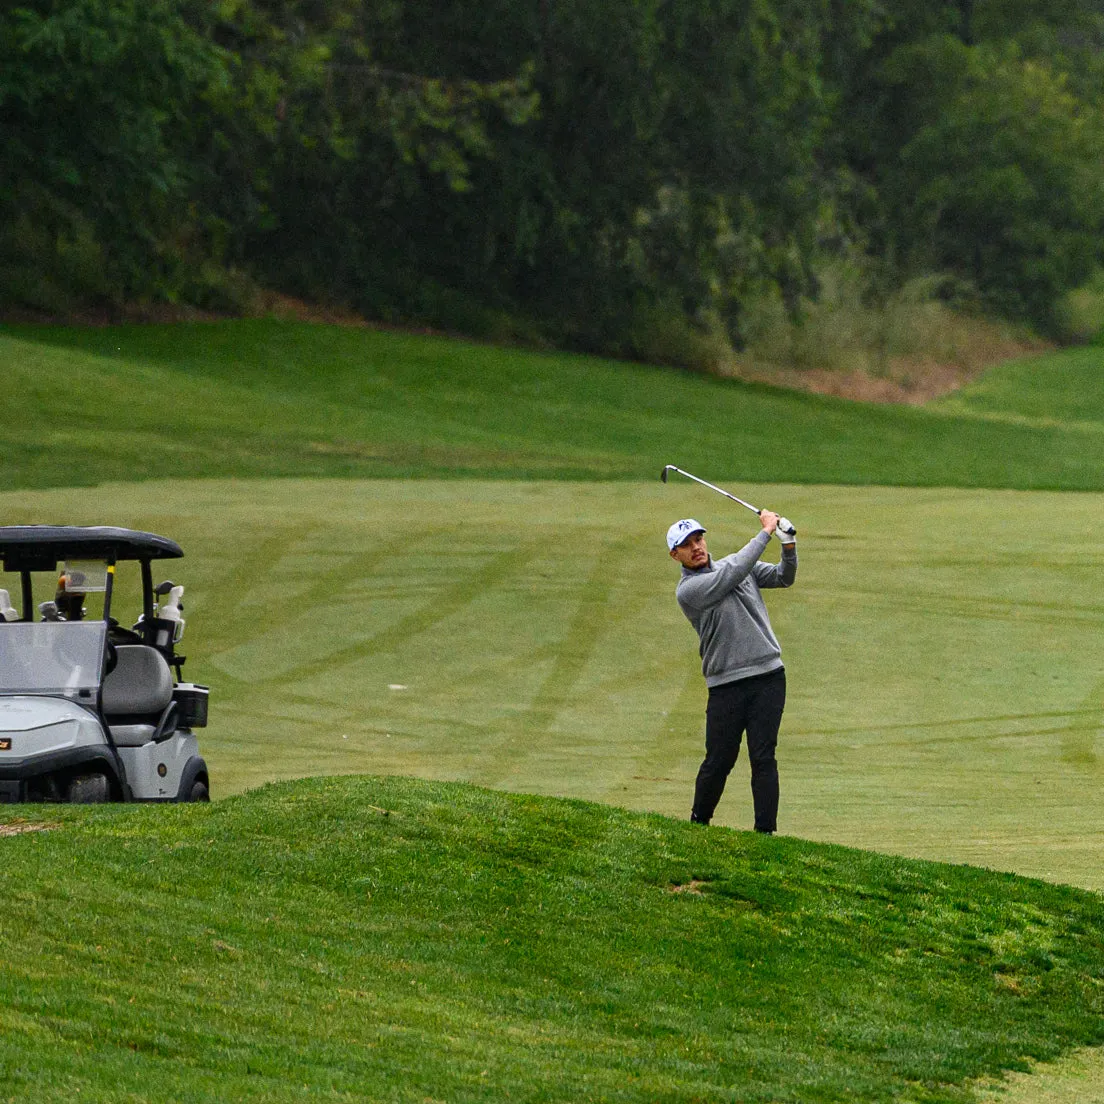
(785, 531)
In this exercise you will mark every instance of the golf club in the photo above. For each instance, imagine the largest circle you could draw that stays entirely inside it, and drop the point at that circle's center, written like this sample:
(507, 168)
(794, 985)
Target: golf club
(787, 529)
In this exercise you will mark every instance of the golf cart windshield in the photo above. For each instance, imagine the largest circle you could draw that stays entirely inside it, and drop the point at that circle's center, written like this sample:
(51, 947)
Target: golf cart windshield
(52, 657)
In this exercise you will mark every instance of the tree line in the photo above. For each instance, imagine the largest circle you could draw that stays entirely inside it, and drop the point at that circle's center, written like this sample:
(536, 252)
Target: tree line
(575, 171)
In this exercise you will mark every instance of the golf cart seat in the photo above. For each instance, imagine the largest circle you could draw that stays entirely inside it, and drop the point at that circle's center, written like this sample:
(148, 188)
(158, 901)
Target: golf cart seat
(137, 696)
(7, 611)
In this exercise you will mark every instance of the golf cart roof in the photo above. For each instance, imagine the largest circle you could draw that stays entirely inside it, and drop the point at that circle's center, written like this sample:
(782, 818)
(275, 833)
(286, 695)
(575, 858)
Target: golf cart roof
(39, 547)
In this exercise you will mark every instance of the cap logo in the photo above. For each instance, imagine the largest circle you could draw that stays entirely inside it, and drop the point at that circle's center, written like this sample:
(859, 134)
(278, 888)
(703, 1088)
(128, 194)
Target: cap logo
(681, 530)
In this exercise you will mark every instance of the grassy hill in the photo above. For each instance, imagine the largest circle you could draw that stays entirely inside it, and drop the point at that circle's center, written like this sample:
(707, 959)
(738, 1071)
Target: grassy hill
(1063, 390)
(268, 398)
(399, 941)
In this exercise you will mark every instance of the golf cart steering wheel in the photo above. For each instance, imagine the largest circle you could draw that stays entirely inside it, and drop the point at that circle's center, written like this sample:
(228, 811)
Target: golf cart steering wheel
(112, 658)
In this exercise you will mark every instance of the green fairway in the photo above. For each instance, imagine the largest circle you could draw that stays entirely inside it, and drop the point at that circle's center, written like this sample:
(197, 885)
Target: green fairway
(1076, 1079)
(389, 940)
(268, 398)
(946, 700)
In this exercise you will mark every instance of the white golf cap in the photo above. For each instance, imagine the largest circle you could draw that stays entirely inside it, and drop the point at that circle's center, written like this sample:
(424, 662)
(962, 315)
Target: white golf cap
(681, 530)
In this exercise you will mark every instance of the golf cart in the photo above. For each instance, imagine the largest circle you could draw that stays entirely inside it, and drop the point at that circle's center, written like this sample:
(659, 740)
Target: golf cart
(91, 711)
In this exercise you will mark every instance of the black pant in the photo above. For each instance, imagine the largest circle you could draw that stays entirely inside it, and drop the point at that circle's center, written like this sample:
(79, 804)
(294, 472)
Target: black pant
(755, 705)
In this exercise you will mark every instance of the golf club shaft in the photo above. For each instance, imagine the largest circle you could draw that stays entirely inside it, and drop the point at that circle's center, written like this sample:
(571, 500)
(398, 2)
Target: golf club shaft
(719, 490)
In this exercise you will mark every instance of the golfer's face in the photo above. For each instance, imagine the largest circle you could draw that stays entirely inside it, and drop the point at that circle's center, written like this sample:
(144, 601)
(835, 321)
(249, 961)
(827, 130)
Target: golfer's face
(692, 552)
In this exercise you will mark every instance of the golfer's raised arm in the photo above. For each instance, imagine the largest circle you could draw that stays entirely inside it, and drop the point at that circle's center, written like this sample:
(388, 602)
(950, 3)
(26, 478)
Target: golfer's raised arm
(781, 574)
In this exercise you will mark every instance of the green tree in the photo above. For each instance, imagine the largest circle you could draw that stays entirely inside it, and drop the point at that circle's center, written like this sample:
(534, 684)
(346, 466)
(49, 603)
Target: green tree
(674, 159)
(96, 127)
(1001, 177)
(339, 145)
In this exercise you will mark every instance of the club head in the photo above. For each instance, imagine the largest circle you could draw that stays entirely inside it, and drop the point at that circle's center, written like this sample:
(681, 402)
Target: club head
(663, 474)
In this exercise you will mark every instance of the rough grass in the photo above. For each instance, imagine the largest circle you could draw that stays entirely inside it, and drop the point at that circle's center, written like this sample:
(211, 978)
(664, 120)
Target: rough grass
(893, 342)
(399, 941)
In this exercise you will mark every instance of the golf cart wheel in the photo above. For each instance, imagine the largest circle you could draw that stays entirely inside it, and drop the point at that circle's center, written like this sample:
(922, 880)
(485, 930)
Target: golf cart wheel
(199, 791)
(88, 789)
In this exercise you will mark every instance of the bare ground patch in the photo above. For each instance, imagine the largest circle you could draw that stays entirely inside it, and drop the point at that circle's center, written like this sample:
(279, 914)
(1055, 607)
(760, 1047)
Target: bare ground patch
(21, 827)
(268, 304)
(906, 380)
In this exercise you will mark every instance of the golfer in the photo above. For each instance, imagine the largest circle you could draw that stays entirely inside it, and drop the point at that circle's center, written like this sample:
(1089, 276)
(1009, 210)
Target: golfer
(741, 659)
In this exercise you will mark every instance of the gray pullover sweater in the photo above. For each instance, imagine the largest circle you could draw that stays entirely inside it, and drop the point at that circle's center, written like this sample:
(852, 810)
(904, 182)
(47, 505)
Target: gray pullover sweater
(723, 603)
